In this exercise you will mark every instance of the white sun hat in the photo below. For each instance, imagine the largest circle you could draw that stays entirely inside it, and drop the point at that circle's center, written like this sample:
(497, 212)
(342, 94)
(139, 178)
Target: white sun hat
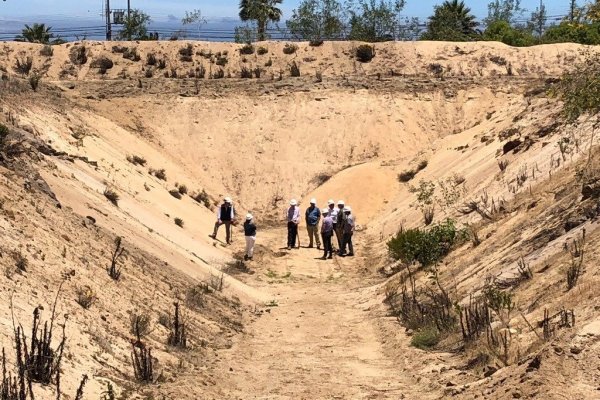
(227, 199)
(325, 211)
(293, 202)
(313, 201)
(248, 217)
(330, 202)
(341, 202)
(347, 209)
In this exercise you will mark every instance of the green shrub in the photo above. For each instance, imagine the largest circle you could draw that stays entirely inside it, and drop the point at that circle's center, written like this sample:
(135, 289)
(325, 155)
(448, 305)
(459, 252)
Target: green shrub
(262, 50)
(425, 338)
(182, 189)
(365, 53)
(427, 247)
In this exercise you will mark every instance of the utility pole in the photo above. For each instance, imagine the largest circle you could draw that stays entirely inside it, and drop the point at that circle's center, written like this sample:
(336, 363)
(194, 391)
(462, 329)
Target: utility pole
(108, 25)
(129, 15)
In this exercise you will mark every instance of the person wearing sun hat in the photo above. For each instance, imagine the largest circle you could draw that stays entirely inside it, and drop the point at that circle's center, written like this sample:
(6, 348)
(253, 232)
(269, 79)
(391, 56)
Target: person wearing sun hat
(327, 233)
(349, 224)
(293, 219)
(225, 216)
(250, 234)
(339, 224)
(313, 216)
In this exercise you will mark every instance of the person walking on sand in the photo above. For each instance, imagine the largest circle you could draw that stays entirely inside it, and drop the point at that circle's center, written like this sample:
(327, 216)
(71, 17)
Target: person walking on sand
(293, 219)
(333, 213)
(250, 234)
(339, 225)
(313, 217)
(349, 224)
(225, 216)
(327, 234)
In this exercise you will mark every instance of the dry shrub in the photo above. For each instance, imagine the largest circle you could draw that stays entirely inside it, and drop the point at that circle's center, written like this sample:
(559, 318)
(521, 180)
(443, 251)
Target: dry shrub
(23, 65)
(289, 48)
(112, 196)
(159, 173)
(140, 325)
(365, 53)
(179, 222)
(47, 51)
(247, 49)
(78, 55)
(294, 69)
(175, 193)
(86, 296)
(262, 50)
(102, 63)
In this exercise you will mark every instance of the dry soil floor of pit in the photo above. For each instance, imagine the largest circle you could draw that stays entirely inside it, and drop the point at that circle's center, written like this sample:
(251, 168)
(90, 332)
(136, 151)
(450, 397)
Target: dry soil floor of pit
(319, 340)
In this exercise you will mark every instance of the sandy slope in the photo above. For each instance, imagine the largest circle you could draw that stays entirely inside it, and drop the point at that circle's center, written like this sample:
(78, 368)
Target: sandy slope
(264, 141)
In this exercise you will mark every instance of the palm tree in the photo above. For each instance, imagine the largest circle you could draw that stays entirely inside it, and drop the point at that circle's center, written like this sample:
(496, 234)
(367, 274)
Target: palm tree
(37, 33)
(451, 21)
(261, 11)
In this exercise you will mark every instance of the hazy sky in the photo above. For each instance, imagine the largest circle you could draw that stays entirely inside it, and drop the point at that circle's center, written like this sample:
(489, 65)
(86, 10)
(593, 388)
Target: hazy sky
(161, 9)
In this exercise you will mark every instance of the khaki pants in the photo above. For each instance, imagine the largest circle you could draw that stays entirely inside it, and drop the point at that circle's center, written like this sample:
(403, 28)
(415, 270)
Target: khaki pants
(313, 231)
(250, 241)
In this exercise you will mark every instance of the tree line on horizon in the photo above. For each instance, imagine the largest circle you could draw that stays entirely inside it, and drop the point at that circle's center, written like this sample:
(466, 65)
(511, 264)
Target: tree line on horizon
(380, 20)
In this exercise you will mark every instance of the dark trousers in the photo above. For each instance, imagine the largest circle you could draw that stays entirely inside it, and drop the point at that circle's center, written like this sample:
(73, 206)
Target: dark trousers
(339, 234)
(292, 233)
(347, 242)
(227, 229)
(327, 244)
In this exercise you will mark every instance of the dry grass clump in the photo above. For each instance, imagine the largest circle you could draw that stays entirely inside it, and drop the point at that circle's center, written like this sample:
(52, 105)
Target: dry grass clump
(262, 50)
(112, 196)
(179, 222)
(294, 70)
(175, 193)
(23, 65)
(47, 51)
(289, 48)
(159, 173)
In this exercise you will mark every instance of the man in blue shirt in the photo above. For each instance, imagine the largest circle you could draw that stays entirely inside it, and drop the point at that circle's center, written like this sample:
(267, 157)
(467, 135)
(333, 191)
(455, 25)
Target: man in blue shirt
(313, 216)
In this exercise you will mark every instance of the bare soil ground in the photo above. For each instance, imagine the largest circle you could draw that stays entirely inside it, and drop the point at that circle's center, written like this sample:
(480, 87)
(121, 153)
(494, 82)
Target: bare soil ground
(288, 325)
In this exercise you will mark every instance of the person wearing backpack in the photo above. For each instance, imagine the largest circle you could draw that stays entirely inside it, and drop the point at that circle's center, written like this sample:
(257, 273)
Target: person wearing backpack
(313, 217)
(250, 234)
(225, 216)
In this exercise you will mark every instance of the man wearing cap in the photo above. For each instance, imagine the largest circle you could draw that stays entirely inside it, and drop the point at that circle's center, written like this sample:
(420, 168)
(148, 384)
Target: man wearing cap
(327, 233)
(339, 225)
(348, 232)
(225, 216)
(293, 219)
(313, 216)
(250, 234)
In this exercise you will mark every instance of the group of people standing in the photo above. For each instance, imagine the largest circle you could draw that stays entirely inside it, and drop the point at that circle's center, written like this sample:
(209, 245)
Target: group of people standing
(334, 221)
(321, 226)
